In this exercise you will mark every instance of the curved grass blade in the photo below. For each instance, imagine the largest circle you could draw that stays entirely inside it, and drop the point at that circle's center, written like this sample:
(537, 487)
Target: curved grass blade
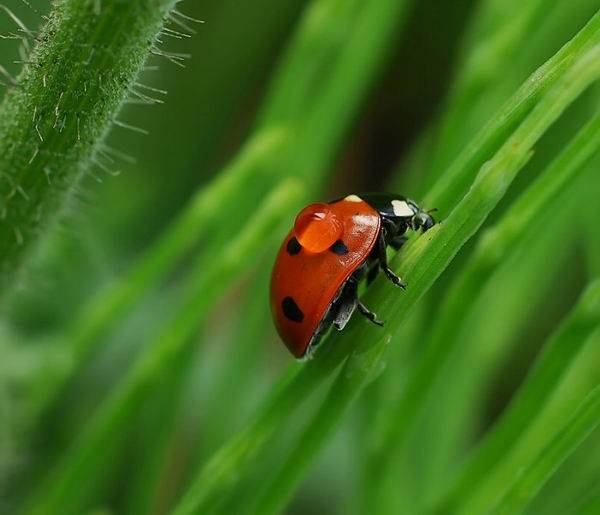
(423, 262)
(493, 248)
(559, 353)
(361, 367)
(459, 175)
(83, 465)
(105, 308)
(532, 476)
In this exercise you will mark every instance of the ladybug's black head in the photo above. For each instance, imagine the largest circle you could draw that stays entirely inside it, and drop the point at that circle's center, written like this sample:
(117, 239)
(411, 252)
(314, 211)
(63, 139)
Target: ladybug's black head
(422, 220)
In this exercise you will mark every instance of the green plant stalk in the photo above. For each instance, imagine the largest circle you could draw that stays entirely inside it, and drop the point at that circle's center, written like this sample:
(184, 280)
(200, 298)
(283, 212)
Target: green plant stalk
(154, 439)
(361, 367)
(422, 263)
(105, 308)
(493, 39)
(532, 476)
(492, 250)
(234, 381)
(459, 175)
(335, 92)
(82, 67)
(580, 378)
(73, 480)
(560, 351)
(507, 301)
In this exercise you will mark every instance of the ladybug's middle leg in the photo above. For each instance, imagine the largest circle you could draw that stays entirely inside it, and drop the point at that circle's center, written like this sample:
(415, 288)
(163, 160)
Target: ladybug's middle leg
(348, 302)
(382, 257)
(368, 313)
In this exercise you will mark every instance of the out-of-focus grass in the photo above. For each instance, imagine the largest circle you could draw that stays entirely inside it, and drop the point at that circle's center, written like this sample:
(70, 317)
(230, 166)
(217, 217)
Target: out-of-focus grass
(111, 401)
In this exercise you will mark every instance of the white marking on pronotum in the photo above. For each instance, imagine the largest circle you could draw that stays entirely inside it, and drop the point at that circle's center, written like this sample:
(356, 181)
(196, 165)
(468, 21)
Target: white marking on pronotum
(401, 208)
(353, 198)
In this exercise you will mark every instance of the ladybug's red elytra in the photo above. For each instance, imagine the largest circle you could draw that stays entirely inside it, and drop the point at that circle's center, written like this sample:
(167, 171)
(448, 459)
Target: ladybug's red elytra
(331, 247)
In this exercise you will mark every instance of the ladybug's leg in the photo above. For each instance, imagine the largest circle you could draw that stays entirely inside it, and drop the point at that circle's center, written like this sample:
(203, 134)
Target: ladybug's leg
(372, 272)
(397, 242)
(382, 257)
(346, 304)
(368, 313)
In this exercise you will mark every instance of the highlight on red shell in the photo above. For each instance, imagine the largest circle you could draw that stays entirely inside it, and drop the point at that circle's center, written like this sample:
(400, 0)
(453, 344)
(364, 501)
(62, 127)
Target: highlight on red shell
(317, 227)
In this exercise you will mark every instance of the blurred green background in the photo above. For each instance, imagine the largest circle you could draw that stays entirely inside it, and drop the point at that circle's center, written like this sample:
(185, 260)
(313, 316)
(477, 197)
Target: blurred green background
(440, 72)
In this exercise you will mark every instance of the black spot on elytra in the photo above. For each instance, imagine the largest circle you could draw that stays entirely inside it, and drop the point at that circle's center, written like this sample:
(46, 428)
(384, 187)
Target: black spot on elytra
(291, 310)
(339, 248)
(293, 246)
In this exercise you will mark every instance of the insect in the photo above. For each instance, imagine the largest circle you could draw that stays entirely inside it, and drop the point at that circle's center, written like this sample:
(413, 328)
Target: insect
(331, 247)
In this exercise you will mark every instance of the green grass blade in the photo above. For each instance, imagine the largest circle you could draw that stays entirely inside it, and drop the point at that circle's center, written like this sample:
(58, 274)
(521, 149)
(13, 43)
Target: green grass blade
(492, 250)
(423, 262)
(50, 124)
(459, 175)
(360, 368)
(83, 465)
(506, 304)
(104, 309)
(532, 476)
(579, 380)
(560, 351)
(493, 39)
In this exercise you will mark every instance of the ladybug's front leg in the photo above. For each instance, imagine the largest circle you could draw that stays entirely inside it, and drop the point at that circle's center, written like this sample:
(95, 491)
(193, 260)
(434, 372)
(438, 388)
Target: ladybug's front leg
(382, 258)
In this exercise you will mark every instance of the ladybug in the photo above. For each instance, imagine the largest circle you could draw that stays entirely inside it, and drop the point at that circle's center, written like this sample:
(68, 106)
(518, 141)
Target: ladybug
(331, 247)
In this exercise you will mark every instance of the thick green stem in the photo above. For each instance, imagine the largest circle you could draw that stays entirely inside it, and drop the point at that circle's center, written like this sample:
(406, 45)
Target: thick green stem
(84, 63)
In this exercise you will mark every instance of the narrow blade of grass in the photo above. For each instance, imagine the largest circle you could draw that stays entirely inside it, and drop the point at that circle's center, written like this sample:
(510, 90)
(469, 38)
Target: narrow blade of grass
(84, 464)
(532, 476)
(494, 36)
(359, 369)
(423, 262)
(51, 123)
(560, 351)
(104, 309)
(493, 248)
(459, 175)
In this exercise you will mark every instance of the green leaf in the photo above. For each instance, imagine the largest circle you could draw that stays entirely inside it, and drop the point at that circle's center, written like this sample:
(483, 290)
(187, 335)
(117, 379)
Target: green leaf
(541, 382)
(530, 477)
(423, 262)
(76, 475)
(492, 250)
(461, 172)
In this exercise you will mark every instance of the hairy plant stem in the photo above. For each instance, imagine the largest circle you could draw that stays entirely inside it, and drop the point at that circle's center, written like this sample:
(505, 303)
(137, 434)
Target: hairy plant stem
(85, 62)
